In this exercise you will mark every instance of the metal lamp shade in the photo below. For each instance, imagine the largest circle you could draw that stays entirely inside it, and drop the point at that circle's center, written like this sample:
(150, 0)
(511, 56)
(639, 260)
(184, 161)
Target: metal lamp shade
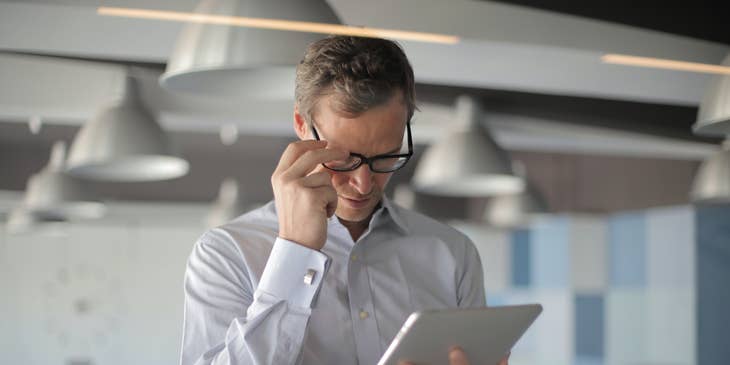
(712, 182)
(228, 205)
(55, 195)
(124, 143)
(513, 210)
(713, 118)
(20, 220)
(467, 162)
(232, 61)
(404, 196)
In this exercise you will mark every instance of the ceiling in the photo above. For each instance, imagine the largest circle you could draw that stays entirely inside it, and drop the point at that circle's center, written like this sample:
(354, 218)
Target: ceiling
(695, 19)
(537, 71)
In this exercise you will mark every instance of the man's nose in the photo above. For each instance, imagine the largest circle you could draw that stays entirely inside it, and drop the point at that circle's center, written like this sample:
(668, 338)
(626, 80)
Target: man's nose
(362, 179)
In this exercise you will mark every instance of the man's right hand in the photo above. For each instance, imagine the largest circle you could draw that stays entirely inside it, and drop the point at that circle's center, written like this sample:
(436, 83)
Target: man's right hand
(303, 192)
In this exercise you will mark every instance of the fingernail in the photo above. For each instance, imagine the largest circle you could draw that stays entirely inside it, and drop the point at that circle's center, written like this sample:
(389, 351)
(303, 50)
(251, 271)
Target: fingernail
(456, 353)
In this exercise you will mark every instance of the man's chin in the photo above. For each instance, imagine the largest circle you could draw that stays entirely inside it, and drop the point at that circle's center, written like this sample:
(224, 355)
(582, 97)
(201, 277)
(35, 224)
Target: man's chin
(352, 215)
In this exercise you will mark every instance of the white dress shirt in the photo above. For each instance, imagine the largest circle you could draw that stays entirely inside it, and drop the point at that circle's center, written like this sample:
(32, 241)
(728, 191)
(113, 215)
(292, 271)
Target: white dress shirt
(254, 298)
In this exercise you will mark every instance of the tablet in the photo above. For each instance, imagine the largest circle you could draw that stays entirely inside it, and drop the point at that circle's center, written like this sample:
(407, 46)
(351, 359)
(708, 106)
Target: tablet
(486, 334)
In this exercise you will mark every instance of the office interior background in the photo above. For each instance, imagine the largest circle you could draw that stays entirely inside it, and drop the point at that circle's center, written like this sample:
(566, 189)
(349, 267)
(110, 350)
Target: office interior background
(594, 134)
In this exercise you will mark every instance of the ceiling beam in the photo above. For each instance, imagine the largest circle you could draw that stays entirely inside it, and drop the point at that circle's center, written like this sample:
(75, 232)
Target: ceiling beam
(504, 46)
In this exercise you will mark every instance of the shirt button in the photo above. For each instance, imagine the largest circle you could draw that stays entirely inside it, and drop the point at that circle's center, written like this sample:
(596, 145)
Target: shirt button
(364, 314)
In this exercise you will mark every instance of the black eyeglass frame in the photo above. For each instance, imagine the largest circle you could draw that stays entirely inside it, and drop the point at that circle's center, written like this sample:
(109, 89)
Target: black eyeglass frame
(369, 160)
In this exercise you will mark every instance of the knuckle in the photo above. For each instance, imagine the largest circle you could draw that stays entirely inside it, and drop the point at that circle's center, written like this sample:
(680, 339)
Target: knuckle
(277, 178)
(303, 155)
(295, 147)
(309, 154)
(292, 186)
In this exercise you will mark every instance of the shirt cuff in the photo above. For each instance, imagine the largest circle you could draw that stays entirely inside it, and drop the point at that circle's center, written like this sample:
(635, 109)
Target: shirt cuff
(293, 273)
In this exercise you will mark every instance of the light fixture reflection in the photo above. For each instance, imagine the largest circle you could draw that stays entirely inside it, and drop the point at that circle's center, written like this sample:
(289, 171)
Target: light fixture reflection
(665, 64)
(278, 24)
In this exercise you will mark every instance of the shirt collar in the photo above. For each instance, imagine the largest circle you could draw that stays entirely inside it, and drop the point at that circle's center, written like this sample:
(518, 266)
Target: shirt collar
(385, 213)
(393, 212)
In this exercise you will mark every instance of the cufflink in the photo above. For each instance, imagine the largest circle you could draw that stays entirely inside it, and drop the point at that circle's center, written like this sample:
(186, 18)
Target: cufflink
(309, 276)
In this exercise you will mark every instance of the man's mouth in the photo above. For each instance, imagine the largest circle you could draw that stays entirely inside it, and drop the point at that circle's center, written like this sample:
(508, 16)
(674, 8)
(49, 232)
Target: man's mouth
(356, 203)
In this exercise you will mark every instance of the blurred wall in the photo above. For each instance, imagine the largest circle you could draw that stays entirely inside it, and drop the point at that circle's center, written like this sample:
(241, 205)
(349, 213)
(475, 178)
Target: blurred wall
(616, 289)
(97, 293)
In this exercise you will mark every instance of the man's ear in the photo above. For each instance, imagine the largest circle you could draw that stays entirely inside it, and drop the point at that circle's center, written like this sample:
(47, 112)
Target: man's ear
(300, 124)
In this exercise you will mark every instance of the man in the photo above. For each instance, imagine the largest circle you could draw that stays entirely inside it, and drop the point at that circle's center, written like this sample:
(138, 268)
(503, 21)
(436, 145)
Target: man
(329, 271)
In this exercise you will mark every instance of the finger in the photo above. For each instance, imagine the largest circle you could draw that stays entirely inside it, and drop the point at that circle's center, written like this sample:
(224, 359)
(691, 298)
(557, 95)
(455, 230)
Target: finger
(317, 179)
(329, 196)
(505, 360)
(457, 357)
(296, 149)
(309, 160)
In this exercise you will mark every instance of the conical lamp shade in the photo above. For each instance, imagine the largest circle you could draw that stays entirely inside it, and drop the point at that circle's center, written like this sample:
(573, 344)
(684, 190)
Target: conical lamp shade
(712, 182)
(514, 210)
(124, 143)
(227, 206)
(21, 220)
(467, 162)
(404, 196)
(55, 194)
(231, 61)
(713, 118)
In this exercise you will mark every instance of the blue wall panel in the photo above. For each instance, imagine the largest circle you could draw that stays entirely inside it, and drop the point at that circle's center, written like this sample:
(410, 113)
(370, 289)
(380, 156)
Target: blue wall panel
(627, 249)
(521, 258)
(550, 253)
(713, 284)
(589, 326)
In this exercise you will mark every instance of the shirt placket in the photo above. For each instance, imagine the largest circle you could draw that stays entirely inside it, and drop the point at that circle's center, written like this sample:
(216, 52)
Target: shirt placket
(367, 337)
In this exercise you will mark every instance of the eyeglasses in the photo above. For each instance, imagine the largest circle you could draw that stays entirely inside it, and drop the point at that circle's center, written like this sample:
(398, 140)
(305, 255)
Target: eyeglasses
(381, 163)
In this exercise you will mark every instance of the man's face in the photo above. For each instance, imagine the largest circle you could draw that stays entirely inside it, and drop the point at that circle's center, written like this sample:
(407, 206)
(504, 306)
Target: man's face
(377, 131)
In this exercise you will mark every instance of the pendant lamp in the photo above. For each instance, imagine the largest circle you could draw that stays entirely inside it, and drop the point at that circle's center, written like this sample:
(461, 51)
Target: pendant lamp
(467, 161)
(404, 196)
(227, 206)
(53, 194)
(20, 220)
(228, 61)
(514, 210)
(712, 182)
(713, 118)
(124, 143)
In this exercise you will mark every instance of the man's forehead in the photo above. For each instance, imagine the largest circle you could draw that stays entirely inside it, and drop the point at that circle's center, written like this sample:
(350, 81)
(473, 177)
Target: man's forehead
(334, 104)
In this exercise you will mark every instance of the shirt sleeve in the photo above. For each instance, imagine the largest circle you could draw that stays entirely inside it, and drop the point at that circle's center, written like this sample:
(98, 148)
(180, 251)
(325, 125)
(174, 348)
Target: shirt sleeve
(227, 322)
(471, 292)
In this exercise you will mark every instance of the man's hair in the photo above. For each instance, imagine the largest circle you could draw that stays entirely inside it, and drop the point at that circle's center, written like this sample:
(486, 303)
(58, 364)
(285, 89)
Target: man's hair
(362, 73)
